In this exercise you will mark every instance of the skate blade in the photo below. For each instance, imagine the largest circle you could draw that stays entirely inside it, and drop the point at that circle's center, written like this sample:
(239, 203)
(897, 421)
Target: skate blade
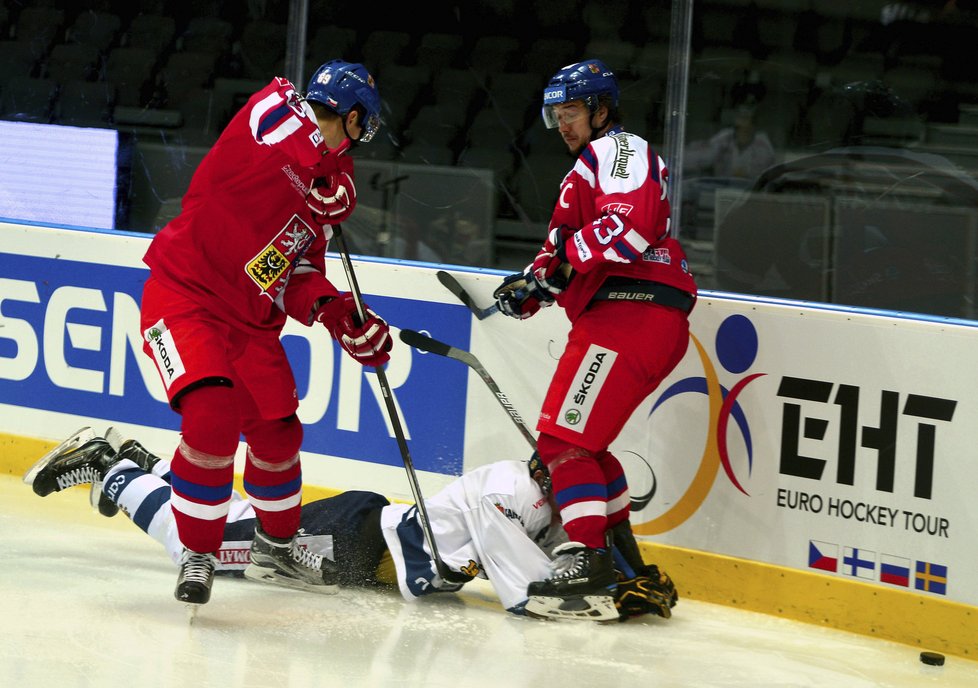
(80, 437)
(263, 575)
(583, 607)
(94, 493)
(114, 438)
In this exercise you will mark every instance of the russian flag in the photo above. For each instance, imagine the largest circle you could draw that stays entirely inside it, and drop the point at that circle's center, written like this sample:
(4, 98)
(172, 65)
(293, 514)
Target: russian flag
(894, 570)
(823, 556)
(931, 577)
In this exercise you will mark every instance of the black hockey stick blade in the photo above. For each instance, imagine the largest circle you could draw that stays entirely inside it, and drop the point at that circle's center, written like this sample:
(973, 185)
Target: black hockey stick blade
(425, 343)
(452, 284)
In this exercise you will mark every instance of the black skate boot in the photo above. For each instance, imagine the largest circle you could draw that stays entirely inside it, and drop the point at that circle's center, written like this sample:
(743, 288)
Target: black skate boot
(583, 587)
(81, 459)
(281, 561)
(132, 450)
(196, 577)
(125, 449)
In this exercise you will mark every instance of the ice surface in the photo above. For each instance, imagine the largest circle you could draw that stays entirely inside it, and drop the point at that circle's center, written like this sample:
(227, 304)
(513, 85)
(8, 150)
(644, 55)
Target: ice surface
(88, 601)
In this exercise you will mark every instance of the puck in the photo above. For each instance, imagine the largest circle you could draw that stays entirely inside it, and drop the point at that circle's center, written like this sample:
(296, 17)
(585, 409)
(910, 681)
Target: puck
(932, 658)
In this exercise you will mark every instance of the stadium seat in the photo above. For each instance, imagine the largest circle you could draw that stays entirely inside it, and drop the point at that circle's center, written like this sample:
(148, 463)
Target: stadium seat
(16, 59)
(262, 45)
(85, 104)
(383, 47)
(331, 41)
(206, 35)
(150, 31)
(129, 69)
(438, 50)
(98, 29)
(185, 71)
(39, 26)
(26, 99)
(73, 61)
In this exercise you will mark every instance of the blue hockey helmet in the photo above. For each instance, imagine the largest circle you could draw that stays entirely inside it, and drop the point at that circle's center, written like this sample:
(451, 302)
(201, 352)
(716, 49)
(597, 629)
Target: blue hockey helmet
(341, 86)
(540, 473)
(584, 81)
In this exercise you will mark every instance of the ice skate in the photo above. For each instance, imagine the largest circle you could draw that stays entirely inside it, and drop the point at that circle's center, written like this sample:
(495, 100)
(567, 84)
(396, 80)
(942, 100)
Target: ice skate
(281, 561)
(582, 588)
(81, 459)
(196, 577)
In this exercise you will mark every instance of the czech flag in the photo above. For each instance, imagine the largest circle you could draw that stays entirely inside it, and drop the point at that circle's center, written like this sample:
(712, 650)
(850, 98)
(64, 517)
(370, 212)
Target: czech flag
(823, 556)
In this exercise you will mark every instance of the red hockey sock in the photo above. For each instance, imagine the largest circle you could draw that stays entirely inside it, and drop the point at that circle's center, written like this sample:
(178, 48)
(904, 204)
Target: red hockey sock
(619, 503)
(273, 474)
(579, 490)
(202, 470)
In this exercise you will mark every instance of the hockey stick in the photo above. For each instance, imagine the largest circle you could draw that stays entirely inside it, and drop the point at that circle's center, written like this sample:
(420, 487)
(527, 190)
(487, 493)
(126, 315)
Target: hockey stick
(452, 284)
(392, 412)
(423, 342)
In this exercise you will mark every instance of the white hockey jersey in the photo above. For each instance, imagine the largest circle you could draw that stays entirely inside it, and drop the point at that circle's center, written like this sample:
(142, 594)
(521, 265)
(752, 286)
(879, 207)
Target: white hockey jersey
(486, 523)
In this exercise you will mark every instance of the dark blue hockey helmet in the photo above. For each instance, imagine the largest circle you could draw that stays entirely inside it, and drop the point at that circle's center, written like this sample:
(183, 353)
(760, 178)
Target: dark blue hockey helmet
(342, 86)
(535, 466)
(585, 81)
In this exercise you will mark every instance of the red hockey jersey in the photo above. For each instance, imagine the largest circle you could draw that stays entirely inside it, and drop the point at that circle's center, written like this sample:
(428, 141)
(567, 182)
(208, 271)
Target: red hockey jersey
(245, 246)
(615, 196)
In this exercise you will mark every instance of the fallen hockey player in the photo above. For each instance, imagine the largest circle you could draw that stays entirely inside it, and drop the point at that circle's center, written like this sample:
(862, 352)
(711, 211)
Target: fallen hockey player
(494, 522)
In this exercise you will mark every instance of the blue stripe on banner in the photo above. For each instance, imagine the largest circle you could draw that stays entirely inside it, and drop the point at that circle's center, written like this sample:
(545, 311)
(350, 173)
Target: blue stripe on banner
(272, 119)
(202, 493)
(585, 491)
(150, 507)
(273, 491)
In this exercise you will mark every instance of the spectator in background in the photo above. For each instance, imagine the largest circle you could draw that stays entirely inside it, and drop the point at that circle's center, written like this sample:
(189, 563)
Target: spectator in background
(737, 151)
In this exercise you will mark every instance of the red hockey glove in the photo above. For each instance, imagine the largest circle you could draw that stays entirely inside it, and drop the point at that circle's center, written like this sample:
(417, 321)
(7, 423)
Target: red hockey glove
(519, 297)
(332, 199)
(550, 268)
(367, 343)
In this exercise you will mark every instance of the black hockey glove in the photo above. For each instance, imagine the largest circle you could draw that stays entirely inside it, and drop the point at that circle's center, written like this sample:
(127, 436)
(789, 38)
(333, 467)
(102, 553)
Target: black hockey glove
(652, 592)
(520, 297)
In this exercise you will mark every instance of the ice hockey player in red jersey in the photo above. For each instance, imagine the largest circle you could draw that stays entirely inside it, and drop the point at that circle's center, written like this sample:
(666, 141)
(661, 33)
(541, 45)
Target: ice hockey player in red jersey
(246, 252)
(494, 522)
(611, 261)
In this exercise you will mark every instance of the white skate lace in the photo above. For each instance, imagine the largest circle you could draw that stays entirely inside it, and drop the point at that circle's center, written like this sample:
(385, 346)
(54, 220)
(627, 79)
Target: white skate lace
(77, 476)
(197, 568)
(303, 557)
(567, 564)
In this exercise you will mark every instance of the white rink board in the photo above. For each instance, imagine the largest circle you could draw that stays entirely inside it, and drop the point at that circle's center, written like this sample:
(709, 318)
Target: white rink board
(861, 426)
